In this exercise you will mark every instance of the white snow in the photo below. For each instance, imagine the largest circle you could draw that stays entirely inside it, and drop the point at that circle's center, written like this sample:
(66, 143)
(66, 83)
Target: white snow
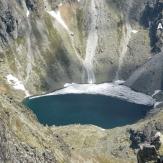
(27, 13)
(99, 128)
(158, 134)
(68, 84)
(160, 26)
(119, 82)
(157, 104)
(92, 42)
(134, 31)
(108, 89)
(102, 129)
(60, 4)
(16, 84)
(57, 15)
(156, 92)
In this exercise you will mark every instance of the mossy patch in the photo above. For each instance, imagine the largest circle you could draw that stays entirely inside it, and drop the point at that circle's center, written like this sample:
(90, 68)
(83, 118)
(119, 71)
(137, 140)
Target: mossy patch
(10, 60)
(120, 25)
(80, 21)
(20, 40)
(53, 35)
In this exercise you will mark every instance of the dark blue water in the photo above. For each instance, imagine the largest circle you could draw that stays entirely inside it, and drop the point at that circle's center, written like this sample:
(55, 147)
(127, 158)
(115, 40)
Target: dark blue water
(103, 111)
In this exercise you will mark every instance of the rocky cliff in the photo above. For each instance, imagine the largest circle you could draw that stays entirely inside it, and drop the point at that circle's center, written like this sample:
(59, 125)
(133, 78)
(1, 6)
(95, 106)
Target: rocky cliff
(47, 43)
(50, 42)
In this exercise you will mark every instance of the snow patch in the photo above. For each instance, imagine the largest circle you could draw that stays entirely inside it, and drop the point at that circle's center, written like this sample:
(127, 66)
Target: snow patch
(157, 104)
(57, 15)
(68, 84)
(157, 135)
(16, 84)
(27, 13)
(102, 129)
(134, 31)
(119, 82)
(99, 128)
(60, 4)
(109, 89)
(156, 92)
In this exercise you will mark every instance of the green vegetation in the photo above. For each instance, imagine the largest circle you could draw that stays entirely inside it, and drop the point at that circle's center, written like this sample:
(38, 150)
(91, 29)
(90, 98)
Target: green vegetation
(80, 20)
(53, 35)
(20, 40)
(120, 30)
(118, 3)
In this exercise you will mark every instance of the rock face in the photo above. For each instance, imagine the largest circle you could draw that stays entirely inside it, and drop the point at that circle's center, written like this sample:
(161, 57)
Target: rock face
(50, 51)
(148, 77)
(8, 23)
(33, 48)
(43, 46)
(148, 141)
(12, 150)
(147, 153)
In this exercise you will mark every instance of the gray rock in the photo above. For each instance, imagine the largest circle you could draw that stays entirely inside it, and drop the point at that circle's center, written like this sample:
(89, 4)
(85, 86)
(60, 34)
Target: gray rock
(31, 4)
(13, 150)
(158, 96)
(147, 153)
(8, 23)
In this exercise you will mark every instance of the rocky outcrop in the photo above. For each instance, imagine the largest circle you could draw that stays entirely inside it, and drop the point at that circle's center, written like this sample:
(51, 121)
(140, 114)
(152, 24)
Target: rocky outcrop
(148, 142)
(148, 77)
(8, 23)
(33, 48)
(147, 153)
(31, 4)
(12, 150)
(151, 18)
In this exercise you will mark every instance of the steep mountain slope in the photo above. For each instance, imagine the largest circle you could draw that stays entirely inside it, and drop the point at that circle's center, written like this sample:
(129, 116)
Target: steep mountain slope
(148, 77)
(45, 44)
